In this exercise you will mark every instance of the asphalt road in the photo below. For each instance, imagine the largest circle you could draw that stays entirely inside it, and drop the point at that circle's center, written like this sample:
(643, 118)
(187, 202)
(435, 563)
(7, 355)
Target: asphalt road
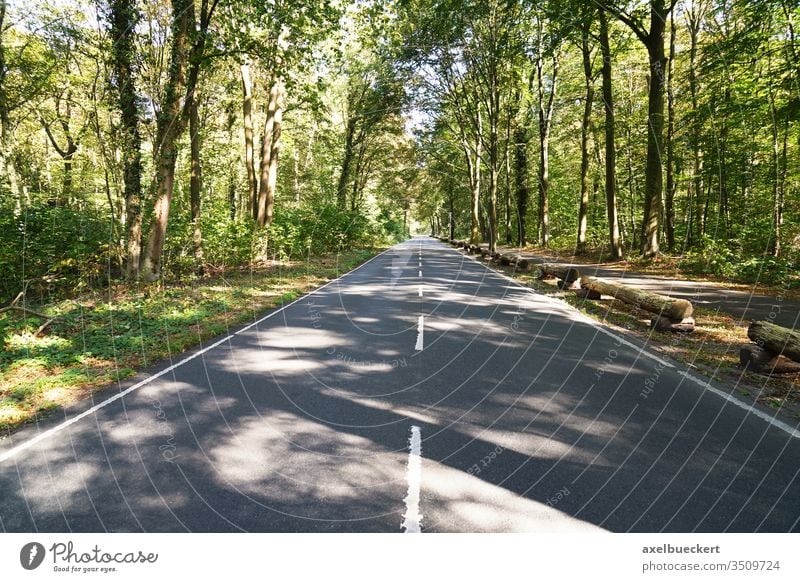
(420, 391)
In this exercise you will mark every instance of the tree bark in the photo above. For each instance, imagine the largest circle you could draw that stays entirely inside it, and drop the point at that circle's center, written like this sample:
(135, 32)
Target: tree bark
(583, 207)
(347, 160)
(545, 119)
(7, 163)
(124, 18)
(274, 153)
(171, 123)
(675, 309)
(615, 240)
(249, 151)
(521, 180)
(266, 156)
(777, 339)
(655, 121)
(669, 209)
(195, 183)
(694, 228)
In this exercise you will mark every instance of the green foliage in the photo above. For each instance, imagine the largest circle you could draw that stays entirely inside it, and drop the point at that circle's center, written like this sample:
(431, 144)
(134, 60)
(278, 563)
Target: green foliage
(54, 249)
(299, 231)
(725, 260)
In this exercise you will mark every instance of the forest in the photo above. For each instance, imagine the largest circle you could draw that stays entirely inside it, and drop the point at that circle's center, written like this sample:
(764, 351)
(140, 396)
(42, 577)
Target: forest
(168, 141)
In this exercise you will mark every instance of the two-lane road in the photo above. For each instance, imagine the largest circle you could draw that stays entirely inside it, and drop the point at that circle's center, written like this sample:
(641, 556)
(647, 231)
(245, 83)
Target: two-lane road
(420, 391)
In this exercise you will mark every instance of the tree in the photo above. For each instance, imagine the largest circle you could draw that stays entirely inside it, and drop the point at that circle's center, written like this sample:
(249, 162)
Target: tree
(186, 57)
(652, 37)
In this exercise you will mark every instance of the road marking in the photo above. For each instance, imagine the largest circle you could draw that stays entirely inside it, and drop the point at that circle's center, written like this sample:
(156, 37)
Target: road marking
(420, 263)
(412, 518)
(58, 428)
(420, 330)
(420, 290)
(706, 384)
(420, 272)
(743, 405)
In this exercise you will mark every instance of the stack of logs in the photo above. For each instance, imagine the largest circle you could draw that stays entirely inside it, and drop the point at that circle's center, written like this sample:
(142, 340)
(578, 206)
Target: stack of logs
(776, 349)
(508, 259)
(670, 314)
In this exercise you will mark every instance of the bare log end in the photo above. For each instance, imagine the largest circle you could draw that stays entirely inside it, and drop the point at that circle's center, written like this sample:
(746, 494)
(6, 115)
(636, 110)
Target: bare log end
(763, 361)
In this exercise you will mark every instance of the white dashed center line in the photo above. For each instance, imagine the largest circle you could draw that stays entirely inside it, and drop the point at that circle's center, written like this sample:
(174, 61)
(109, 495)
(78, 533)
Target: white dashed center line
(412, 518)
(420, 331)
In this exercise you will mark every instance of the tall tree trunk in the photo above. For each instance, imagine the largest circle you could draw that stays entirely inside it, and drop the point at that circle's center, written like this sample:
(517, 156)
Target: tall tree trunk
(7, 164)
(615, 240)
(546, 106)
(586, 121)
(451, 219)
(669, 209)
(249, 151)
(694, 228)
(473, 157)
(653, 40)
(653, 188)
(347, 161)
(266, 157)
(778, 176)
(195, 183)
(508, 228)
(521, 180)
(494, 135)
(274, 153)
(124, 17)
(171, 123)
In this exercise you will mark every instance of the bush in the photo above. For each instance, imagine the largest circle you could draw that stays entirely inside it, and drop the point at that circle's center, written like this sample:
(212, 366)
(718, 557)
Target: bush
(725, 260)
(56, 249)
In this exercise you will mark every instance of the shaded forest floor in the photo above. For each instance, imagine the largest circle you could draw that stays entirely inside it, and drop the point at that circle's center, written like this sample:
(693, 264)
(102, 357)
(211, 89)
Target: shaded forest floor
(711, 350)
(110, 335)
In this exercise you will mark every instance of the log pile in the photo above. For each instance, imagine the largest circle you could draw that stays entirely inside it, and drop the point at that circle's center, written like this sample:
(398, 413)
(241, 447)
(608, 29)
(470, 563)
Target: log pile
(775, 349)
(671, 314)
(512, 260)
(568, 277)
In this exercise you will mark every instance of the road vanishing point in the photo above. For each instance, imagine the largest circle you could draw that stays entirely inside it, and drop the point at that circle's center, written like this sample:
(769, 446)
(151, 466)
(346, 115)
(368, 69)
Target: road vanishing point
(421, 392)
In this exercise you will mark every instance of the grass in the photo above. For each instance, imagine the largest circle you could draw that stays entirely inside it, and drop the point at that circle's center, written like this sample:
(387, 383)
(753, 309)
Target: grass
(711, 350)
(106, 337)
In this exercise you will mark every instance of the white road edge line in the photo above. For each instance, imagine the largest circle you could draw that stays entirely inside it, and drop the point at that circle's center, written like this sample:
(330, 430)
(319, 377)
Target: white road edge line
(412, 519)
(420, 331)
(58, 428)
(743, 405)
(779, 424)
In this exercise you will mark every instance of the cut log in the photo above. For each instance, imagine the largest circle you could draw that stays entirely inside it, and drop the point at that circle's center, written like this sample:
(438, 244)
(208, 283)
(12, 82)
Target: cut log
(476, 250)
(586, 293)
(506, 259)
(522, 263)
(661, 323)
(758, 359)
(675, 309)
(571, 285)
(777, 339)
(568, 274)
